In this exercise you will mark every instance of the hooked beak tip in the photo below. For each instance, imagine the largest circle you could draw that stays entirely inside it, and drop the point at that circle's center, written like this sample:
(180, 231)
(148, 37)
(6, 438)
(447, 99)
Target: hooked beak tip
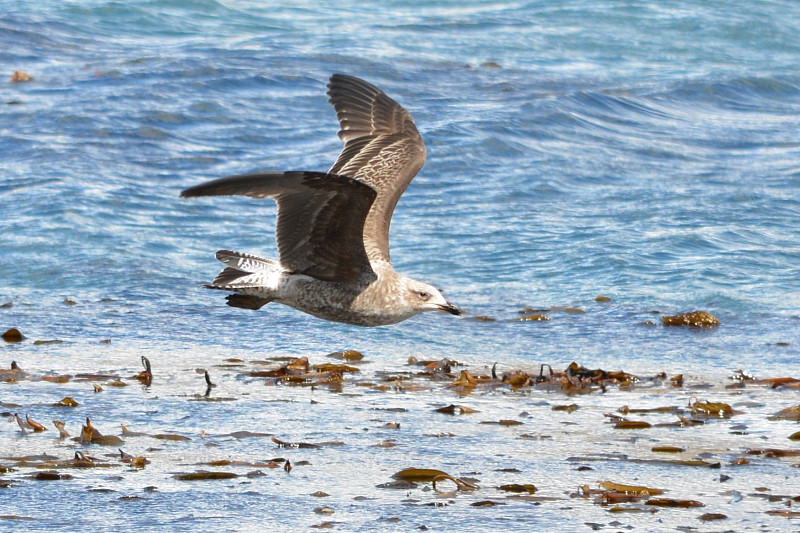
(452, 309)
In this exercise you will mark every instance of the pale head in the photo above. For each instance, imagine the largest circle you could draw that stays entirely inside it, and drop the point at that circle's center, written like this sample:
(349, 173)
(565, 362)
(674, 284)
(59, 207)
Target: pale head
(421, 297)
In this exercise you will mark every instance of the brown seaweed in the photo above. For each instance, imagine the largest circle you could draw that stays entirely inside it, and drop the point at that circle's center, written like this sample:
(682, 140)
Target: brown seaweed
(790, 413)
(527, 488)
(630, 489)
(668, 502)
(66, 402)
(13, 335)
(418, 474)
(707, 409)
(694, 319)
(454, 409)
(145, 377)
(205, 476)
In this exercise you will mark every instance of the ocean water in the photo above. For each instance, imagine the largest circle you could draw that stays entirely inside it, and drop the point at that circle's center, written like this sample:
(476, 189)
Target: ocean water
(644, 151)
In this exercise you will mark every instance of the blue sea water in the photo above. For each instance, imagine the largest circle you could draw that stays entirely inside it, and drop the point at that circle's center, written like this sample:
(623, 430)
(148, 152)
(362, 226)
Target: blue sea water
(645, 151)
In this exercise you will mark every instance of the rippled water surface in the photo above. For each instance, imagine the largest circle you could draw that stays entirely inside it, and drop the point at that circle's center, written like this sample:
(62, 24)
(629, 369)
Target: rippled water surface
(643, 151)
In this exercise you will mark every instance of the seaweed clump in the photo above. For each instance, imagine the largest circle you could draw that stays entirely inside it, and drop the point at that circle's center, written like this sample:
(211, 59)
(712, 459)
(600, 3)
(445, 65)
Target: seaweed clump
(694, 319)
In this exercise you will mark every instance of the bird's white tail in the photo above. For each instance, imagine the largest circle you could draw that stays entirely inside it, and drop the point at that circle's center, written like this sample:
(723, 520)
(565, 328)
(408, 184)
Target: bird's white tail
(244, 271)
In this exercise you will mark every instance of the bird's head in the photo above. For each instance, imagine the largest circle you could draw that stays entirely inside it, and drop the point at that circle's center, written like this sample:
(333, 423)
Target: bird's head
(423, 297)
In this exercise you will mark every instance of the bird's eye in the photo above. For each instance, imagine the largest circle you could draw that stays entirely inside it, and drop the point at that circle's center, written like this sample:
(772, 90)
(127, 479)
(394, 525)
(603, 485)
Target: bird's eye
(424, 295)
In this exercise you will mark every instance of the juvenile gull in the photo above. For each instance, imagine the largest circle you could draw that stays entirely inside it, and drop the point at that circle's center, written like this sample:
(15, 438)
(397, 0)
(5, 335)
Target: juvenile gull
(333, 228)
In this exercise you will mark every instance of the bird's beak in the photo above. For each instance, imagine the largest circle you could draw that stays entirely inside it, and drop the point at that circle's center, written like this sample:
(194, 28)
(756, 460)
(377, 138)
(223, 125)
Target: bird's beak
(450, 308)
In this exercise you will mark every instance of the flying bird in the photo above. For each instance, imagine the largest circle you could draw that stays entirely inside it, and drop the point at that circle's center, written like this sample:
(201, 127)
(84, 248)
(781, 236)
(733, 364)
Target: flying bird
(333, 227)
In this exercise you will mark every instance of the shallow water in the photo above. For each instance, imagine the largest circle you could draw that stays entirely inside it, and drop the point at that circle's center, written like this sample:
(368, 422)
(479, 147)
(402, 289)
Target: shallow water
(643, 152)
(557, 451)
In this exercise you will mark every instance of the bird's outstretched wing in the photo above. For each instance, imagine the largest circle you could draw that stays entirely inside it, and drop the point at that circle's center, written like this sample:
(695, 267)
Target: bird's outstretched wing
(320, 218)
(382, 149)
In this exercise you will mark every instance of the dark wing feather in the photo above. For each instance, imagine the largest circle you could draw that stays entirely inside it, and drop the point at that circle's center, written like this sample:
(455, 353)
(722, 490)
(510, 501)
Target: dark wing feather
(320, 218)
(382, 149)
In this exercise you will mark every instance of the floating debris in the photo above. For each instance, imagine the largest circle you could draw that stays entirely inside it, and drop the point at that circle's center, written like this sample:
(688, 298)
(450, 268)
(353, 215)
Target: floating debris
(790, 413)
(517, 488)
(711, 409)
(205, 476)
(13, 335)
(533, 318)
(209, 385)
(773, 452)
(575, 310)
(82, 460)
(33, 424)
(453, 409)
(39, 342)
(783, 512)
(630, 489)
(460, 483)
(145, 377)
(667, 502)
(568, 408)
(124, 457)
(350, 356)
(300, 363)
(632, 424)
(63, 378)
(515, 378)
(20, 77)
(12, 374)
(503, 422)
(66, 402)
(418, 474)
(667, 449)
(51, 476)
(465, 380)
(23, 426)
(284, 444)
(246, 434)
(332, 367)
(91, 435)
(657, 410)
(128, 433)
(787, 382)
(171, 436)
(694, 319)
(710, 517)
(60, 426)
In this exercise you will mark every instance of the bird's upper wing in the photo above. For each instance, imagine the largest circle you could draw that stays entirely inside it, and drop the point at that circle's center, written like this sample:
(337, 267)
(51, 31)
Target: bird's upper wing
(382, 148)
(320, 218)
